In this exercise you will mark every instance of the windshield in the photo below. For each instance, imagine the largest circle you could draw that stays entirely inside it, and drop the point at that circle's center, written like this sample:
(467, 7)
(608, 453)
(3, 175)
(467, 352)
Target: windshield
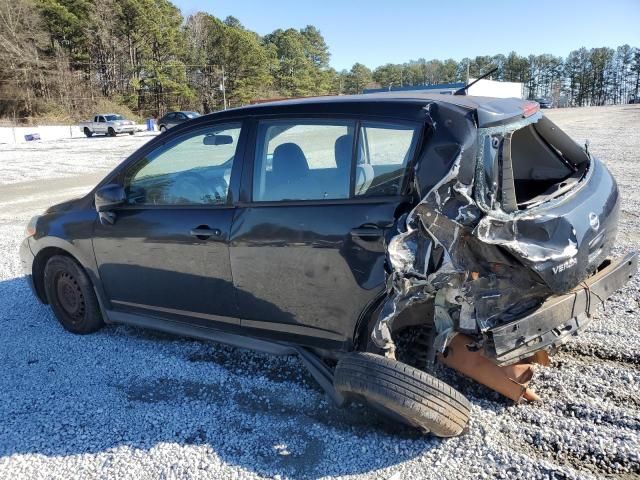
(112, 118)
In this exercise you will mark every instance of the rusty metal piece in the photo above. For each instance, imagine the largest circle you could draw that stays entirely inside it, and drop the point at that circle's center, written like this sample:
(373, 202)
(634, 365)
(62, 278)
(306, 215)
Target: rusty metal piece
(510, 381)
(541, 357)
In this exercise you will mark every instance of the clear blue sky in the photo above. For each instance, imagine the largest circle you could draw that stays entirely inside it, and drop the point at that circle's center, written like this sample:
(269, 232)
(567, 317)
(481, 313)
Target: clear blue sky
(378, 32)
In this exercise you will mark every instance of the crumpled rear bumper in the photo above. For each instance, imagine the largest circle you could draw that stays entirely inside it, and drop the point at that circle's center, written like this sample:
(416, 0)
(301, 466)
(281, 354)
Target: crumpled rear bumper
(559, 317)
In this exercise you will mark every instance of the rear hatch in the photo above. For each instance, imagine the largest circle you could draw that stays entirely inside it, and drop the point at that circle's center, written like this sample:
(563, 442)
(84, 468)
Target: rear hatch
(548, 201)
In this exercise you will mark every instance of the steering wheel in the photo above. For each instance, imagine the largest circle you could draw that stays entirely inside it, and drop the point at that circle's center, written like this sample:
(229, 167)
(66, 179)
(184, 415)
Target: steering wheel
(220, 189)
(191, 187)
(187, 187)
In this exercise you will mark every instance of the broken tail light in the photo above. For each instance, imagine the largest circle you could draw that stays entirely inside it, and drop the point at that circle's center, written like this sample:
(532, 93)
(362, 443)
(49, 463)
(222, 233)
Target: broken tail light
(530, 108)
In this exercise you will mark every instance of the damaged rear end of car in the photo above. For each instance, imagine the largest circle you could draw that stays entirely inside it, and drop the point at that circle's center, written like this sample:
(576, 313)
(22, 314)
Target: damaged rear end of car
(507, 254)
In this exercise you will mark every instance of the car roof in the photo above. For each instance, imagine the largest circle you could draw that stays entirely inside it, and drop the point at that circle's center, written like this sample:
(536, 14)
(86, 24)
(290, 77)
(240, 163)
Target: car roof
(333, 102)
(407, 105)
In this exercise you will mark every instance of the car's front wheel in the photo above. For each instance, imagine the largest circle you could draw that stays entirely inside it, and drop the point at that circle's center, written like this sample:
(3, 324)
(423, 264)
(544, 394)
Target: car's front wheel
(71, 296)
(402, 393)
(111, 132)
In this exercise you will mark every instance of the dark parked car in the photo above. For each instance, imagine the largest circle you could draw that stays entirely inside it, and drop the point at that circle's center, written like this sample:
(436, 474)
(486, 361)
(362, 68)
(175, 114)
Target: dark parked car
(172, 119)
(545, 102)
(371, 235)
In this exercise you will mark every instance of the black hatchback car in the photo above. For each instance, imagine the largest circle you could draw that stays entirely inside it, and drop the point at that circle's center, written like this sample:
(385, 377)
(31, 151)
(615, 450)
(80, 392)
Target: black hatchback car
(372, 235)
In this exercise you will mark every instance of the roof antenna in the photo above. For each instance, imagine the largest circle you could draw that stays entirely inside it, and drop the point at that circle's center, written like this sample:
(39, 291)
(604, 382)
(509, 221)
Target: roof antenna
(463, 90)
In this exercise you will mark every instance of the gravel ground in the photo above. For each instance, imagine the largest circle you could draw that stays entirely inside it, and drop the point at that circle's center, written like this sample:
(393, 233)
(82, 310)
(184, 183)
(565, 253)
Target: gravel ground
(124, 403)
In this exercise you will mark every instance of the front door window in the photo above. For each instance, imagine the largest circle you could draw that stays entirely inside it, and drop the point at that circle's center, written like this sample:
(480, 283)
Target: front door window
(194, 169)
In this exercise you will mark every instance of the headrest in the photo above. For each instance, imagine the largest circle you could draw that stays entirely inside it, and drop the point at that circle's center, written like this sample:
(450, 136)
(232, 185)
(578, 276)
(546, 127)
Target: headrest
(343, 149)
(289, 159)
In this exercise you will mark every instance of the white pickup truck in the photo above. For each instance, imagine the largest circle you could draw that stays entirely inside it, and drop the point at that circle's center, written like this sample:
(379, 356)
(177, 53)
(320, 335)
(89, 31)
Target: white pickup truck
(109, 124)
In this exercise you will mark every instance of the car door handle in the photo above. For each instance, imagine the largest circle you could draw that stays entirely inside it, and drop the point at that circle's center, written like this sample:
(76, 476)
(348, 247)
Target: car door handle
(367, 232)
(203, 232)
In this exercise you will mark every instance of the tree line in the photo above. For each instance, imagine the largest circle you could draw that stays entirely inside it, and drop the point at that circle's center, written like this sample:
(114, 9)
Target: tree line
(66, 58)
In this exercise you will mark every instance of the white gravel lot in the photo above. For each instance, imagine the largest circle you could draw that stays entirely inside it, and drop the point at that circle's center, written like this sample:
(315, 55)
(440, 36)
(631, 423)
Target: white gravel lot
(124, 403)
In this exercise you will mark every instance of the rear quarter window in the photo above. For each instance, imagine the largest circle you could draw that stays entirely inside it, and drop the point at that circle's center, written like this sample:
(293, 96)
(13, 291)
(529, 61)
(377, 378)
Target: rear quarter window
(384, 150)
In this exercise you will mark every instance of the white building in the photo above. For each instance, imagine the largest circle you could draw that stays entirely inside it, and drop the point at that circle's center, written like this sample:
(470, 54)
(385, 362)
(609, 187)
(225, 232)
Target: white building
(493, 88)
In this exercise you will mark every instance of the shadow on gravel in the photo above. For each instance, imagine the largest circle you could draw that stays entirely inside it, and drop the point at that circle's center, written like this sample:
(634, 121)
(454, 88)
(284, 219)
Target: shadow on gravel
(122, 390)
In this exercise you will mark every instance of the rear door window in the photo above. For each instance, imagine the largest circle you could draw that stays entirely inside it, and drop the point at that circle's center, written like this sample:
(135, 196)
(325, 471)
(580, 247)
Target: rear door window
(384, 150)
(303, 160)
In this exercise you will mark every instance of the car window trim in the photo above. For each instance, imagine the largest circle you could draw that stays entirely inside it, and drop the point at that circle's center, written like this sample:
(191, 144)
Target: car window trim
(241, 183)
(188, 206)
(354, 160)
(421, 141)
(246, 184)
(251, 122)
(246, 187)
(338, 201)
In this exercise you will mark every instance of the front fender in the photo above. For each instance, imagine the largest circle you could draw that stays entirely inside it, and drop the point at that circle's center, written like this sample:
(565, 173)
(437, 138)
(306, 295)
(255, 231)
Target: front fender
(71, 233)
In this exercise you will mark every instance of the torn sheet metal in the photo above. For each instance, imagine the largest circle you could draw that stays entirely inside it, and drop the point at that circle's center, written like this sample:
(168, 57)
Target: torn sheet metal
(479, 266)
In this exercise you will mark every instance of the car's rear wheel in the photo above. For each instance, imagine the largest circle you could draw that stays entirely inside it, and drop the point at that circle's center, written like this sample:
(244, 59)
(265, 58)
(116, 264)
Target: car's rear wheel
(163, 128)
(132, 133)
(70, 294)
(403, 393)
(111, 132)
(87, 133)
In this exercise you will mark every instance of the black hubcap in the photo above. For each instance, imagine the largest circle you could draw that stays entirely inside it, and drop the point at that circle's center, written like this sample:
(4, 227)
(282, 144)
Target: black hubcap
(70, 296)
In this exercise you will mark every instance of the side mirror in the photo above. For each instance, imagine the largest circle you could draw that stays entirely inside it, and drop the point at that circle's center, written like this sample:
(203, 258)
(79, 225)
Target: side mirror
(213, 139)
(107, 198)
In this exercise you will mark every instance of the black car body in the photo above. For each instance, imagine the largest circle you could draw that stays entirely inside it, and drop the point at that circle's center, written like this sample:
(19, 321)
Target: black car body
(171, 119)
(447, 214)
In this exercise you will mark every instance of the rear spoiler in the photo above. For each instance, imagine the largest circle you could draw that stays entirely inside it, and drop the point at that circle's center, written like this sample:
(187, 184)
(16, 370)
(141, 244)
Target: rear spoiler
(504, 110)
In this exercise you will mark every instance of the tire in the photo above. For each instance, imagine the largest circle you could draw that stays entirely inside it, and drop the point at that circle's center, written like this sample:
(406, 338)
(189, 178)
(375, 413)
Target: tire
(132, 133)
(402, 393)
(111, 132)
(71, 296)
(87, 133)
(163, 129)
